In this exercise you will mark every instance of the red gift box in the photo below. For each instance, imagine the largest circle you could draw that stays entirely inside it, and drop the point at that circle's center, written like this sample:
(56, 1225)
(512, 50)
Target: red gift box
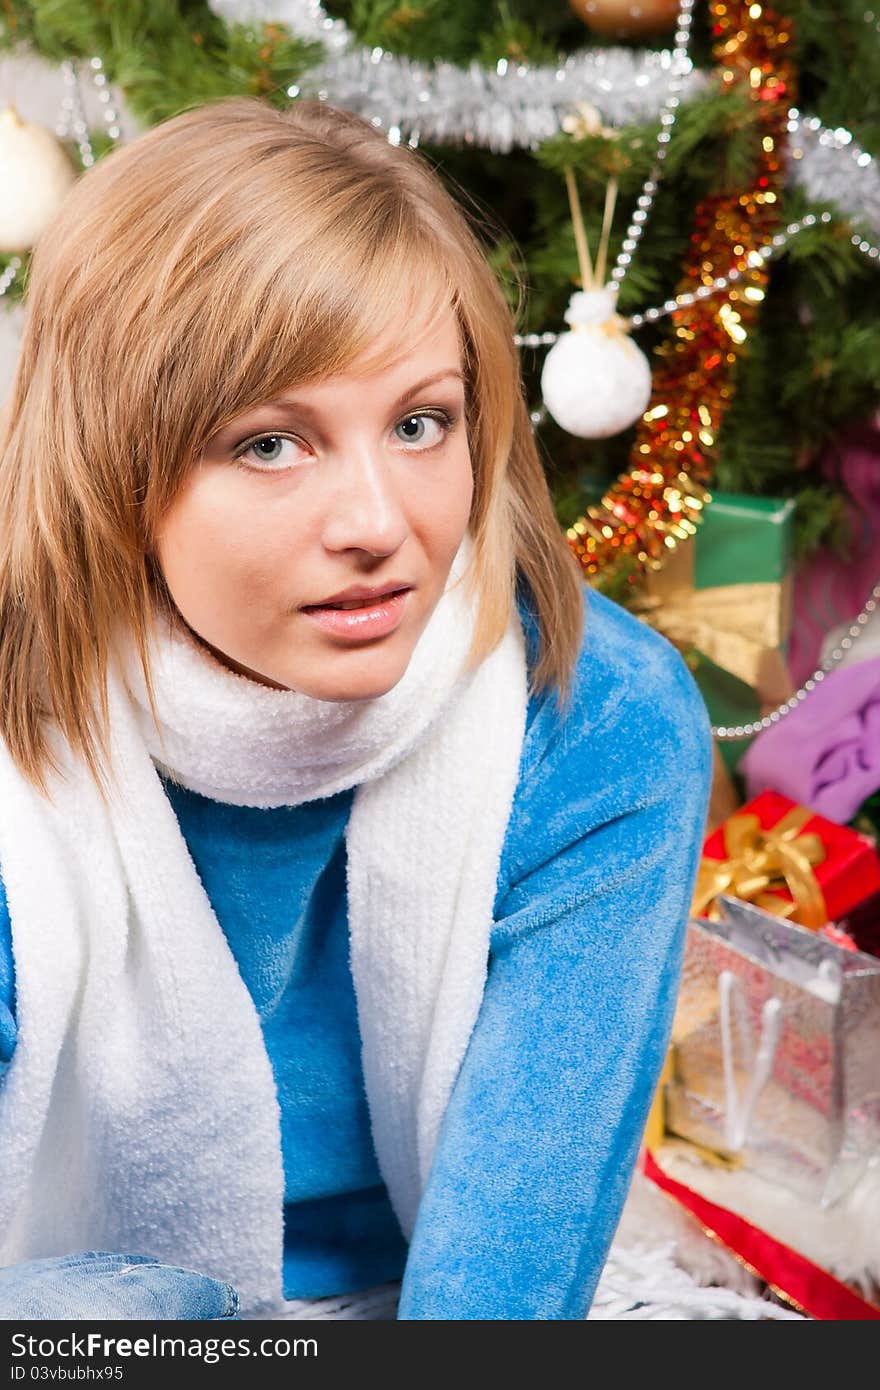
(861, 926)
(845, 867)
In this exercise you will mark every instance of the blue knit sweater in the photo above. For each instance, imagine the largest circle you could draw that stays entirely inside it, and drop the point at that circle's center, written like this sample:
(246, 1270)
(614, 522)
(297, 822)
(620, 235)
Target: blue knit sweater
(540, 1138)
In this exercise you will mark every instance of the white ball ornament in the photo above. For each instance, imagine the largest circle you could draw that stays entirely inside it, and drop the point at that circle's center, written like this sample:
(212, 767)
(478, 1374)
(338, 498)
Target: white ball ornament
(35, 175)
(595, 381)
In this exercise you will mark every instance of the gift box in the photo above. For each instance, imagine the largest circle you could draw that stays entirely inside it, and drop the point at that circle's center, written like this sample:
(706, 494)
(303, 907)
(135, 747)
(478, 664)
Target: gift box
(725, 599)
(775, 1046)
(860, 927)
(787, 860)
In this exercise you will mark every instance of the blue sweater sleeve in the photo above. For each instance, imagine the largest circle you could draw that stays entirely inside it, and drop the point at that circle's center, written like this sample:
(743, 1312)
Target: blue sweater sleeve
(541, 1136)
(8, 1030)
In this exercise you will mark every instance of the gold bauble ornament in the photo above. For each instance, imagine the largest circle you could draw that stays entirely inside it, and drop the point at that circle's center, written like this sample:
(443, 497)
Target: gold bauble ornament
(35, 175)
(626, 18)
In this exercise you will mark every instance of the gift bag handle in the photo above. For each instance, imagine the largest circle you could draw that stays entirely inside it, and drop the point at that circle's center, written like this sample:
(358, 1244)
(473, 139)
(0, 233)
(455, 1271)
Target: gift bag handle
(738, 1116)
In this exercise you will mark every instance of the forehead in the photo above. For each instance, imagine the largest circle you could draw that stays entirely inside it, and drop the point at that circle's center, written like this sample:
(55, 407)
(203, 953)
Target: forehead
(414, 334)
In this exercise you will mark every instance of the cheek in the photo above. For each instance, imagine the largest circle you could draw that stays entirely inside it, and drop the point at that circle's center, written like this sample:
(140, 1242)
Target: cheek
(205, 550)
(447, 504)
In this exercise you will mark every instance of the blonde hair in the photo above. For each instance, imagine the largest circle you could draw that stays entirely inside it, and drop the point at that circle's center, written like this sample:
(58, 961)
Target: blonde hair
(227, 254)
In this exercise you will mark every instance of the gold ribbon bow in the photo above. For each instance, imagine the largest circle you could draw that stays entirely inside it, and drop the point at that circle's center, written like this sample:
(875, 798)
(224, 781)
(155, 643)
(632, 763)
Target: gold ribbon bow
(760, 860)
(741, 627)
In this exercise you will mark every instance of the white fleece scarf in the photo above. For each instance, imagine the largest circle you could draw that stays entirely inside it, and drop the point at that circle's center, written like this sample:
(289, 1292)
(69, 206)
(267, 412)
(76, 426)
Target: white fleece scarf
(139, 1113)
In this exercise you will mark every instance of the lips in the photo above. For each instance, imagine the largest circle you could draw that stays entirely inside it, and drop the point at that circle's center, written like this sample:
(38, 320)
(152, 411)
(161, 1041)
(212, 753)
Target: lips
(358, 602)
(368, 619)
(371, 600)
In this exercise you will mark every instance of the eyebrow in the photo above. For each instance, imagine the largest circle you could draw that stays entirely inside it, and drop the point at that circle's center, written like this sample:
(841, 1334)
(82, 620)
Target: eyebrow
(294, 406)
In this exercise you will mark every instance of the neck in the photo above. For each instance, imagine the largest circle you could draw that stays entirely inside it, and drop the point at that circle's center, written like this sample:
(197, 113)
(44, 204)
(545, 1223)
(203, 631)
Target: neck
(229, 661)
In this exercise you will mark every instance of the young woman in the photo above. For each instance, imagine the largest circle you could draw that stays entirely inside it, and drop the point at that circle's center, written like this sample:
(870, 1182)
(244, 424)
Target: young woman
(347, 837)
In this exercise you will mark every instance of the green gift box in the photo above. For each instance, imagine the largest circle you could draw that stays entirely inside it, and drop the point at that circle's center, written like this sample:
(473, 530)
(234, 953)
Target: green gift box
(725, 599)
(745, 539)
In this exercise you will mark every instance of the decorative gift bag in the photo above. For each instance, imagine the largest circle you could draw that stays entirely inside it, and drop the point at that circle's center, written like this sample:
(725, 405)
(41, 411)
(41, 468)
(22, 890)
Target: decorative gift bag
(776, 1042)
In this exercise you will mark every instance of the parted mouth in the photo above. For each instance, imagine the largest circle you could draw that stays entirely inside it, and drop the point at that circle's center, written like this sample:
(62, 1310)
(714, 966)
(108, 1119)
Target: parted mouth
(361, 595)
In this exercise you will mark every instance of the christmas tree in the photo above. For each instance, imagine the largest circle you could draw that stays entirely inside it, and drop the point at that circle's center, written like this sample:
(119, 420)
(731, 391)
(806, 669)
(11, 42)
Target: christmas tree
(164, 56)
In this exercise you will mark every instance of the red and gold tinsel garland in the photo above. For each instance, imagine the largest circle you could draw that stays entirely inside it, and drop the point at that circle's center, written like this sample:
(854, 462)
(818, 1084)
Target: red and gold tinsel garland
(658, 502)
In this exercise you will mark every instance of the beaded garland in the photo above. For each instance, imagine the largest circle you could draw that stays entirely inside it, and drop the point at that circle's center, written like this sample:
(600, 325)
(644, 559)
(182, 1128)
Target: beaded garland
(659, 501)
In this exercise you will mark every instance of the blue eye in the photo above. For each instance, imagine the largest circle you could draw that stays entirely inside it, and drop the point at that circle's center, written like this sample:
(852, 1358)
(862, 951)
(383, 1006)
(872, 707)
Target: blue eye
(265, 451)
(274, 442)
(268, 455)
(414, 427)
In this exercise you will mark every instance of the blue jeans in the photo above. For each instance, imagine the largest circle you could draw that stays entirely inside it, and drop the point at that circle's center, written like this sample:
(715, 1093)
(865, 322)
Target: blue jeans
(95, 1285)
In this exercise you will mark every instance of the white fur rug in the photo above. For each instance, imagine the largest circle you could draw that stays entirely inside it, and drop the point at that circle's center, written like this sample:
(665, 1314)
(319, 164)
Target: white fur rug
(843, 1239)
(638, 1283)
(643, 1282)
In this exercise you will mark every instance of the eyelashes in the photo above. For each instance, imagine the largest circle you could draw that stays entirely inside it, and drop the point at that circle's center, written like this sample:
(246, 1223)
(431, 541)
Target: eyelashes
(443, 418)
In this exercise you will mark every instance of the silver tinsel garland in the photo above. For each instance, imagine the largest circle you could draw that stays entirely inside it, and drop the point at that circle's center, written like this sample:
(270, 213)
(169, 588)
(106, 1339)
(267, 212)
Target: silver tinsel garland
(514, 104)
(830, 167)
(521, 104)
(307, 19)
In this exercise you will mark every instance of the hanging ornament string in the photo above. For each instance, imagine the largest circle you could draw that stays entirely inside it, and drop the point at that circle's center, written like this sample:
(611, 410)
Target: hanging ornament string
(580, 236)
(681, 65)
(595, 381)
(658, 502)
(72, 122)
(720, 282)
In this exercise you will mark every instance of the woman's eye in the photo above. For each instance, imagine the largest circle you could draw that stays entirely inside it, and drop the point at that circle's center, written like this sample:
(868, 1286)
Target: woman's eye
(415, 429)
(268, 449)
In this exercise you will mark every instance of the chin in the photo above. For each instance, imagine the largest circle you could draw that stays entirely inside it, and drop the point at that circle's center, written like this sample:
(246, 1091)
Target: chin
(364, 685)
(355, 690)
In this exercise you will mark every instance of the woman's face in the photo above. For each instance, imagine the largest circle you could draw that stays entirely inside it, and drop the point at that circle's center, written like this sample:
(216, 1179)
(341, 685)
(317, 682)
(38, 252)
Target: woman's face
(363, 479)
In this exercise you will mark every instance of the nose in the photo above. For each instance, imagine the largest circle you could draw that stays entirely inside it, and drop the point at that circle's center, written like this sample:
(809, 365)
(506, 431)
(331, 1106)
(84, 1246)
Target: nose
(365, 507)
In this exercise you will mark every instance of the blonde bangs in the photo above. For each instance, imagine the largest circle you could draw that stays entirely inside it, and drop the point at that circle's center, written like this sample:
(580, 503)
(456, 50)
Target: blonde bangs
(306, 321)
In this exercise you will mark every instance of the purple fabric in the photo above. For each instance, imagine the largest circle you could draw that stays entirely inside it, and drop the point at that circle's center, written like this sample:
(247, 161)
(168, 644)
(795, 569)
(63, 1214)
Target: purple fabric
(826, 753)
